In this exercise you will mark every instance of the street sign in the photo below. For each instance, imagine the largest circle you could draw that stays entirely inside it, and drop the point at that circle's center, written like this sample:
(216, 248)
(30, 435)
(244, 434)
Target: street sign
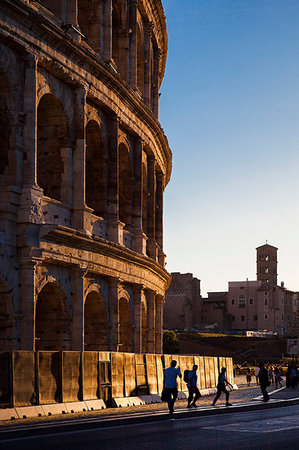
(293, 346)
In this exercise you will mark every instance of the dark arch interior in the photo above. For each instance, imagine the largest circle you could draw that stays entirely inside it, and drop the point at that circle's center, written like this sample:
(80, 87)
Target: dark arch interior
(95, 323)
(52, 320)
(95, 170)
(51, 139)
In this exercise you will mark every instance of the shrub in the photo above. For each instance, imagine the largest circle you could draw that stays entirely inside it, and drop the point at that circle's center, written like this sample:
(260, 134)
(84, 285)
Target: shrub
(170, 342)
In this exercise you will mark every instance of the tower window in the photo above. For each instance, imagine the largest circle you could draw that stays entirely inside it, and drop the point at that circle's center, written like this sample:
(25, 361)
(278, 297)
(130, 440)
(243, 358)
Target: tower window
(241, 301)
(251, 301)
(266, 316)
(255, 318)
(242, 318)
(265, 301)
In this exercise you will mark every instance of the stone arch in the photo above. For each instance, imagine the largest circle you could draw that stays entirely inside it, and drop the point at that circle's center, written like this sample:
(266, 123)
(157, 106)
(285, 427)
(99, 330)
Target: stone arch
(119, 37)
(96, 174)
(143, 325)
(6, 318)
(125, 185)
(95, 321)
(5, 123)
(140, 53)
(52, 138)
(52, 319)
(125, 322)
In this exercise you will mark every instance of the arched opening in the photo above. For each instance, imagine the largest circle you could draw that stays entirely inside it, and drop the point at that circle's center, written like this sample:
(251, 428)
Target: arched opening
(95, 169)
(4, 123)
(6, 319)
(89, 20)
(125, 326)
(95, 323)
(52, 133)
(52, 320)
(143, 326)
(125, 186)
(119, 38)
(140, 55)
(144, 197)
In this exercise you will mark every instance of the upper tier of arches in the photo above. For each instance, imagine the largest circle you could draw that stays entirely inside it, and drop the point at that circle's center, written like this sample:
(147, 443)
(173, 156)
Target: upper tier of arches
(130, 35)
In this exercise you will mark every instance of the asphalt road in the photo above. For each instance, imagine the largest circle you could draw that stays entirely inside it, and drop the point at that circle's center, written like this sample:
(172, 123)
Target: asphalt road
(262, 429)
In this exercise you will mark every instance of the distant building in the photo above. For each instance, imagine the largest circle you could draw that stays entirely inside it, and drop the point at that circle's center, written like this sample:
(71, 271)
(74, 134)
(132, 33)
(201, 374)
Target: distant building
(261, 304)
(183, 302)
(213, 313)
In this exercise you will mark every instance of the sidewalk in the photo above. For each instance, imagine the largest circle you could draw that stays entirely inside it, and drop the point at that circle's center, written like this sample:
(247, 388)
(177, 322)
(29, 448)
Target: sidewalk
(245, 397)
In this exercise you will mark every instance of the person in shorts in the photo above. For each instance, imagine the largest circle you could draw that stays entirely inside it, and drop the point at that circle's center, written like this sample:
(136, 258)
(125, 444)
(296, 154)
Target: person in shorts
(170, 384)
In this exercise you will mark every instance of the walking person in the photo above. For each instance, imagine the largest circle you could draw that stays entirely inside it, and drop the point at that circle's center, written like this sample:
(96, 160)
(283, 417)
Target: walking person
(170, 384)
(278, 378)
(256, 373)
(264, 382)
(194, 393)
(248, 376)
(222, 381)
(271, 375)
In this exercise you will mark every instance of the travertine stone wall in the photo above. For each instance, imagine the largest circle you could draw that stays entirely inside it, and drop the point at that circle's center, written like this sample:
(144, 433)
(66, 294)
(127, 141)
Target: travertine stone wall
(83, 167)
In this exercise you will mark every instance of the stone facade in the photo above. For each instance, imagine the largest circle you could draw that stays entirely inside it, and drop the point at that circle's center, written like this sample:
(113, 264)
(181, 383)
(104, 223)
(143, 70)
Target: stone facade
(183, 303)
(83, 166)
(214, 315)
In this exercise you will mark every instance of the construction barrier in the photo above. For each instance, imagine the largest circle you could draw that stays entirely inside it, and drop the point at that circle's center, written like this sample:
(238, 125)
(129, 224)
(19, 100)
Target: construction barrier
(69, 377)
(5, 378)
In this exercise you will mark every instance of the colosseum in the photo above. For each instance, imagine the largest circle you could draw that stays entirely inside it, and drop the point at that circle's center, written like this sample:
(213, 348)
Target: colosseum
(83, 167)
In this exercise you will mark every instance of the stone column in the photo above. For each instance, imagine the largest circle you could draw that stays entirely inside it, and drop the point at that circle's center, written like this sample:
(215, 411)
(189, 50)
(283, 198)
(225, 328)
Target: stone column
(139, 237)
(78, 275)
(30, 210)
(28, 304)
(155, 83)
(159, 216)
(137, 338)
(133, 44)
(113, 314)
(159, 324)
(115, 227)
(30, 123)
(147, 67)
(152, 246)
(107, 28)
(151, 314)
(67, 176)
(80, 210)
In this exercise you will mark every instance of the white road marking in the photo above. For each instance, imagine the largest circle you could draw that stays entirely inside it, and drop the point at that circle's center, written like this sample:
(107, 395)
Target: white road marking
(260, 426)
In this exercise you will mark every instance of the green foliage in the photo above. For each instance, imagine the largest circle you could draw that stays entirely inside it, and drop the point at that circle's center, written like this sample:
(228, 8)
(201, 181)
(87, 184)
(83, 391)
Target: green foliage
(170, 342)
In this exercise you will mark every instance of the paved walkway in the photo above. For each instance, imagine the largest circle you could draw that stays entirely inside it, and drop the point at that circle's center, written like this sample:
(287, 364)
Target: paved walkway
(244, 396)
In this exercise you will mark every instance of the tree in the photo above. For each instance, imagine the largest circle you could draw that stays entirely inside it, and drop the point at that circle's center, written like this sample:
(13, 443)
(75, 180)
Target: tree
(170, 342)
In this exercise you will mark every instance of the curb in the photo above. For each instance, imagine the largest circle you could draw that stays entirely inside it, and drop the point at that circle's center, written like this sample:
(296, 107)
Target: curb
(136, 418)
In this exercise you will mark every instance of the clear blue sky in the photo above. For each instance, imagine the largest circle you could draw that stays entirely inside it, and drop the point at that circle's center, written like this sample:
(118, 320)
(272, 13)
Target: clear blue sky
(230, 109)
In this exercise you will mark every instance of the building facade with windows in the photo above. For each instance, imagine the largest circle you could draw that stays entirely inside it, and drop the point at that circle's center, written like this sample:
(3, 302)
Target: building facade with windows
(261, 304)
(83, 167)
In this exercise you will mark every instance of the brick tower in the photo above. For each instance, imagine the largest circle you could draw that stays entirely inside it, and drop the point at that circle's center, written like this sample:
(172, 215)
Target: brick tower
(266, 264)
